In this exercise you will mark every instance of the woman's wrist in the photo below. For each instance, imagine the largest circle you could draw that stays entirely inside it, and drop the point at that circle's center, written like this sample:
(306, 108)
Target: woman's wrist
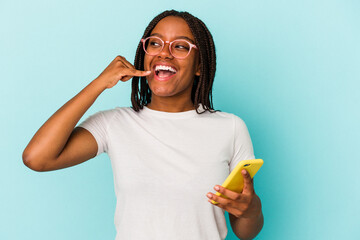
(98, 84)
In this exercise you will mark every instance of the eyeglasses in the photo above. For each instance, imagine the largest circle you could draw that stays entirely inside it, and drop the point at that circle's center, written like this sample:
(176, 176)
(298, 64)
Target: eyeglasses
(178, 48)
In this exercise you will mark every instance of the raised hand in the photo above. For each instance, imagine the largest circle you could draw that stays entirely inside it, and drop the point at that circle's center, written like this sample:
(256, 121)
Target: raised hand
(119, 70)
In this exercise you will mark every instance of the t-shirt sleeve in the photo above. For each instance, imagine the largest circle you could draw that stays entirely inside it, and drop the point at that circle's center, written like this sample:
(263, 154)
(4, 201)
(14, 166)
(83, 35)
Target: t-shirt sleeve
(97, 125)
(243, 148)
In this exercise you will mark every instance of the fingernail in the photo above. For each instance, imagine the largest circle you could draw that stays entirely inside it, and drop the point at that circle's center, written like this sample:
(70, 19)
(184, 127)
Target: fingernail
(243, 171)
(217, 188)
(209, 195)
(148, 71)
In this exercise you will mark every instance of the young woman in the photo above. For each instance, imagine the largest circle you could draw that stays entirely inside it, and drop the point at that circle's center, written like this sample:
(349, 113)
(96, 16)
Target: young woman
(169, 149)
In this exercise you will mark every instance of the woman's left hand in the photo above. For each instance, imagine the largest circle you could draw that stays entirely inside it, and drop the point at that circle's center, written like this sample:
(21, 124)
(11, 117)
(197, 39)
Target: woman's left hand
(246, 204)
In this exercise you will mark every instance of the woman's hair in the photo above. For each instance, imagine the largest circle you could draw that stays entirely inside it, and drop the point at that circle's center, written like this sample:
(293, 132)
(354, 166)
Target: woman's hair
(201, 92)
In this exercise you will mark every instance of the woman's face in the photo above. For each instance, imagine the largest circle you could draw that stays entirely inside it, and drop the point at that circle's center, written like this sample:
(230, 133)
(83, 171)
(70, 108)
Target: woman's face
(180, 83)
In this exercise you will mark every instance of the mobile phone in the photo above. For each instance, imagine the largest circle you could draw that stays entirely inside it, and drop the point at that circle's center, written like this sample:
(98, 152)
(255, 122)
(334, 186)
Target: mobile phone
(235, 180)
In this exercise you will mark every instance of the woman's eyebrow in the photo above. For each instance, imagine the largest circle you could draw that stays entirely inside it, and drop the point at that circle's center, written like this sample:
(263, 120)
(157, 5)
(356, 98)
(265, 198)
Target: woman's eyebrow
(177, 37)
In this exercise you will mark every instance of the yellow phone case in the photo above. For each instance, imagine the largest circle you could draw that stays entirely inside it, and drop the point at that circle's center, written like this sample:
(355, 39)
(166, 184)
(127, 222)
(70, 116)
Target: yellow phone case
(235, 181)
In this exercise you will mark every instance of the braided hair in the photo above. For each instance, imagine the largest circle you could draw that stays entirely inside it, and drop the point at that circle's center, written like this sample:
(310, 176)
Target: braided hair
(201, 92)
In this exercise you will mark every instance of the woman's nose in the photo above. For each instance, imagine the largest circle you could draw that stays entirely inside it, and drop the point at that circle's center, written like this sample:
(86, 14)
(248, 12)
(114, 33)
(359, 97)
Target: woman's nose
(165, 52)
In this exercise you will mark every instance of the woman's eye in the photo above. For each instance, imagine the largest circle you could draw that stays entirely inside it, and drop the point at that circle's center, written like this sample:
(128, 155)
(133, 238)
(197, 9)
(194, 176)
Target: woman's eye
(154, 44)
(180, 47)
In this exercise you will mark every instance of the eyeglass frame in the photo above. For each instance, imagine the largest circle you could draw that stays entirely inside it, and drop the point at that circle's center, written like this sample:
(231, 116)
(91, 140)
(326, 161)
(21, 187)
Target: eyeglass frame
(170, 43)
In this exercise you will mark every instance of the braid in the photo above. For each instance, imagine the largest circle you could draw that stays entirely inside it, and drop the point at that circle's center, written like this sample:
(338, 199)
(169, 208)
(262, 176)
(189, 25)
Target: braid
(202, 88)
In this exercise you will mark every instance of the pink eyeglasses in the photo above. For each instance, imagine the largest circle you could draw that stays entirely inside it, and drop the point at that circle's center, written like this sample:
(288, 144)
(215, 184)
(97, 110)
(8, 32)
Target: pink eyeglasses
(179, 48)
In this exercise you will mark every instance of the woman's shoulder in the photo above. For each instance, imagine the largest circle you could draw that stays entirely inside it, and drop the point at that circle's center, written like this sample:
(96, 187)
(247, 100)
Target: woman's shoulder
(116, 110)
(233, 119)
(109, 114)
(225, 115)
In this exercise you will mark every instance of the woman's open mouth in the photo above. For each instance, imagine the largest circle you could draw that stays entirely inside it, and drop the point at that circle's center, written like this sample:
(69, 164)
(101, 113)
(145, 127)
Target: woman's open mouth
(163, 72)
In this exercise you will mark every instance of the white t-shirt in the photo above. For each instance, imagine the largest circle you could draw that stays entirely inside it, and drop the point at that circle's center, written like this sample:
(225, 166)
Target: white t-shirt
(164, 164)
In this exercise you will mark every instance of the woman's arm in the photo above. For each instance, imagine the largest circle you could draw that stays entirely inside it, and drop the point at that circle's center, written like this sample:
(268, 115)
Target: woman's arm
(48, 143)
(248, 227)
(57, 144)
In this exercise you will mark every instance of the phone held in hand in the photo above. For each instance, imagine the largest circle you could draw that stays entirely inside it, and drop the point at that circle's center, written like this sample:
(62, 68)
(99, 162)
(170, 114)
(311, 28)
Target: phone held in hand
(235, 181)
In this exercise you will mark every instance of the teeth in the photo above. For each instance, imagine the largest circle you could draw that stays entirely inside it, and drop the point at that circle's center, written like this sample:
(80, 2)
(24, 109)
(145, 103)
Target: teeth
(166, 68)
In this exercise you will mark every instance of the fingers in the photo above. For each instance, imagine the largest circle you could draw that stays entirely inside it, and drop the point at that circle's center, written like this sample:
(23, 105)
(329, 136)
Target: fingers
(237, 206)
(227, 193)
(119, 70)
(129, 69)
(246, 207)
(226, 198)
(248, 183)
(248, 188)
(125, 62)
(139, 73)
(224, 203)
(130, 73)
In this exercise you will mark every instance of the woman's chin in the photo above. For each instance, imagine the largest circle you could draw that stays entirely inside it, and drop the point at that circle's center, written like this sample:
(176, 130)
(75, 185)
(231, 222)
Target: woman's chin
(162, 91)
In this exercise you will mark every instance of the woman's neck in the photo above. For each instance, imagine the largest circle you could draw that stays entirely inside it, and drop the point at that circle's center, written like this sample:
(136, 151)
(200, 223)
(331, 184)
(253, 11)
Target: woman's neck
(169, 106)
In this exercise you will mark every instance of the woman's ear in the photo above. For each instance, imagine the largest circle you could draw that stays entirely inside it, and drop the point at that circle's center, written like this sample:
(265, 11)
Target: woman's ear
(198, 70)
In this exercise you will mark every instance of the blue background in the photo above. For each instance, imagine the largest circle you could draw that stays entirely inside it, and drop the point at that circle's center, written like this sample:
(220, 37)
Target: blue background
(289, 69)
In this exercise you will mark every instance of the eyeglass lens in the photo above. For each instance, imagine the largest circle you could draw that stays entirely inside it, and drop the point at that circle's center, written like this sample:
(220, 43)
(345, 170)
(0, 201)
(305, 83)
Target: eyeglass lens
(179, 48)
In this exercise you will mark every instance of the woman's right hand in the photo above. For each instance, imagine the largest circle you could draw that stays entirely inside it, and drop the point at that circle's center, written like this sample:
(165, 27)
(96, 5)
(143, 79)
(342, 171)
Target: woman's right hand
(119, 69)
